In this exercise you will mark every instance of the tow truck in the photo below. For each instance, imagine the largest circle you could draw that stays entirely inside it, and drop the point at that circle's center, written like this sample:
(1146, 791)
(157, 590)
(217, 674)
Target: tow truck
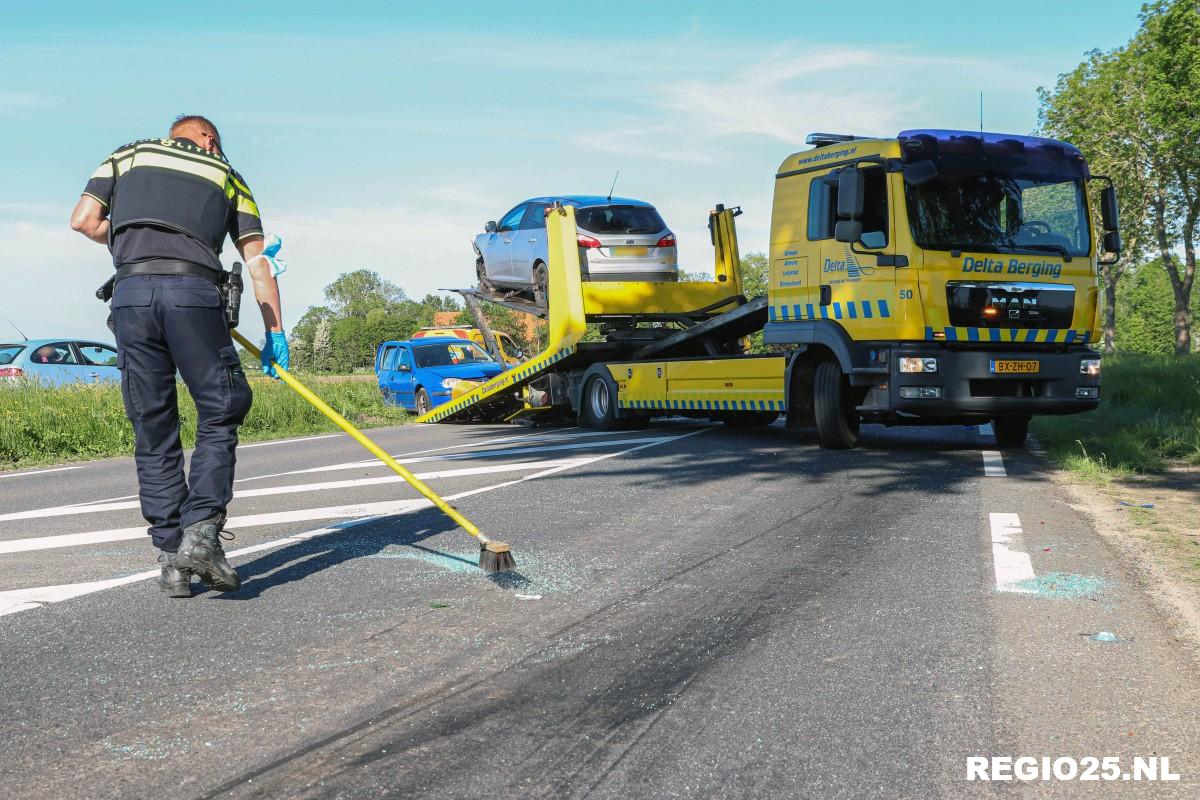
(937, 277)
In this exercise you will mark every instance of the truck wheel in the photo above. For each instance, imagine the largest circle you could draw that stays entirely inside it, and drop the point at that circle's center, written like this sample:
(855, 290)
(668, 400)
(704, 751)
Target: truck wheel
(423, 404)
(1011, 431)
(833, 407)
(598, 404)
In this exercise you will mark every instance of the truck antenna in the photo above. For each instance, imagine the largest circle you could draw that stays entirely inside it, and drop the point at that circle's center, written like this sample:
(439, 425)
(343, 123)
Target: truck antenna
(614, 186)
(18, 330)
(981, 112)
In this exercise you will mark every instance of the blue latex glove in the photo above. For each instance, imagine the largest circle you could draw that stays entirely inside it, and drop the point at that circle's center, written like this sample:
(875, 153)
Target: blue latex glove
(275, 349)
(270, 254)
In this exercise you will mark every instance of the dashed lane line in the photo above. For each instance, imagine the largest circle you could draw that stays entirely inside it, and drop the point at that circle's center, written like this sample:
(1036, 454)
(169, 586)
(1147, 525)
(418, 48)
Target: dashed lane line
(1014, 568)
(993, 464)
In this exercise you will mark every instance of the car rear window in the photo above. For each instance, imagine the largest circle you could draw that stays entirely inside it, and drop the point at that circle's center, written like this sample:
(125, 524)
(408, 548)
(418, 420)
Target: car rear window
(9, 352)
(619, 219)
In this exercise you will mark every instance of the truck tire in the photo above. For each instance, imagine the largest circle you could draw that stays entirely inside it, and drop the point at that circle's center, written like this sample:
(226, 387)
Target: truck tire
(598, 404)
(833, 407)
(422, 402)
(1010, 431)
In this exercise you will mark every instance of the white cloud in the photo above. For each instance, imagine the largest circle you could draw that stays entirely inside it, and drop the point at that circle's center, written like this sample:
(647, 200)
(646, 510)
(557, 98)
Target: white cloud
(13, 103)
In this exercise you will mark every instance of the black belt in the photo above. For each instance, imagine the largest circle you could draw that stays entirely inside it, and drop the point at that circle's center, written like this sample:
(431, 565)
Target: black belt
(165, 266)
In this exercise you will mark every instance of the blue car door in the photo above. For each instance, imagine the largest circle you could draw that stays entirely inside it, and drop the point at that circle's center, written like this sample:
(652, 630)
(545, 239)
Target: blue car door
(403, 383)
(529, 244)
(99, 361)
(384, 365)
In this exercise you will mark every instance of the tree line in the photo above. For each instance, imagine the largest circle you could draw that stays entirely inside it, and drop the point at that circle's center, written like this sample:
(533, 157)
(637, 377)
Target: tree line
(1134, 112)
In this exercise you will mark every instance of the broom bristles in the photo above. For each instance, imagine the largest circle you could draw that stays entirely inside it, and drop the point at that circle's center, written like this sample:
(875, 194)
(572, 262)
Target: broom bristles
(496, 557)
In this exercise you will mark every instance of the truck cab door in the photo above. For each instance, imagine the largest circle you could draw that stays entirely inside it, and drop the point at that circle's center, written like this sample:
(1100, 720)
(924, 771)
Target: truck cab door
(858, 279)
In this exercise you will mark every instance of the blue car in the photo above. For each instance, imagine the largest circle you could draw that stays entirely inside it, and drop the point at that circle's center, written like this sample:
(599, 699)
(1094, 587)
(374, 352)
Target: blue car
(420, 374)
(55, 362)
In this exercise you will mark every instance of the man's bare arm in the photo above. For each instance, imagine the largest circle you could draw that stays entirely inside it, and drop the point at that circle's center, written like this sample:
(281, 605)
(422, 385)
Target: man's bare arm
(90, 218)
(266, 288)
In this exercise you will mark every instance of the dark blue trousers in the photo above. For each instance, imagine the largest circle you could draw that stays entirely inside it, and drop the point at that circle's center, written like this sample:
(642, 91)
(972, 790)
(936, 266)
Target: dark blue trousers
(166, 323)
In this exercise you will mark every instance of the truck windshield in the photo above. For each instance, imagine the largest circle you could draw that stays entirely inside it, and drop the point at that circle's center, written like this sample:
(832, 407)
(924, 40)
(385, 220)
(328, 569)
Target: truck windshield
(996, 194)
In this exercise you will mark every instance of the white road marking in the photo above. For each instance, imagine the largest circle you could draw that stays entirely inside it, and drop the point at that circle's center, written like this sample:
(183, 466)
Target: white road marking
(993, 464)
(1012, 563)
(124, 505)
(36, 472)
(505, 451)
(288, 441)
(378, 509)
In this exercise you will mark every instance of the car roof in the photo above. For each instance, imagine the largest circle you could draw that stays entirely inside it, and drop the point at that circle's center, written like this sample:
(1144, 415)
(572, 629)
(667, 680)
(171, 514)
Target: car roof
(40, 342)
(429, 340)
(584, 200)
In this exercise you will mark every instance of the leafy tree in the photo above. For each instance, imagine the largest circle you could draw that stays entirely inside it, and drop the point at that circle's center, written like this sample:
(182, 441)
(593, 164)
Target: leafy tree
(355, 294)
(1145, 304)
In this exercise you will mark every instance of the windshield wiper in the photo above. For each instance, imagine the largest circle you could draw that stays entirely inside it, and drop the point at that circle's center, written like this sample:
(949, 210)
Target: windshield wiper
(1053, 248)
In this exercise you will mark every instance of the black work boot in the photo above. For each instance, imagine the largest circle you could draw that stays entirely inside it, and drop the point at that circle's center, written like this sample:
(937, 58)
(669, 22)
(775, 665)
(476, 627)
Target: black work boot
(200, 552)
(174, 581)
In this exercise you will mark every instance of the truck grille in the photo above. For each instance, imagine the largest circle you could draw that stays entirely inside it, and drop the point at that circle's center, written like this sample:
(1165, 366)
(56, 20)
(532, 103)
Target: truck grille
(1010, 305)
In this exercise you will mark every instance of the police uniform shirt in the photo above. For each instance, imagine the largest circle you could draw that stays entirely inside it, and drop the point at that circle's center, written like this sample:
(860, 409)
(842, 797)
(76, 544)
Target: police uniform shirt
(156, 189)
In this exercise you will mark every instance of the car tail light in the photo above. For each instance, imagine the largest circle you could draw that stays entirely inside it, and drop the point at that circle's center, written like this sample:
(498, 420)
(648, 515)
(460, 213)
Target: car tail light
(666, 241)
(587, 241)
(12, 372)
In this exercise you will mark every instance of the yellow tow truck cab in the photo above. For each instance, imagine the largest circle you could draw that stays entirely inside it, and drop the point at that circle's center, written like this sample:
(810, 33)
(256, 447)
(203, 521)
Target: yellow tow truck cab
(951, 276)
(939, 277)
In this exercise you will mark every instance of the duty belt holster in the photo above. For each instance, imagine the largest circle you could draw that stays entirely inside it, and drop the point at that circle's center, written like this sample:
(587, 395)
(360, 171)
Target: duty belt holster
(229, 284)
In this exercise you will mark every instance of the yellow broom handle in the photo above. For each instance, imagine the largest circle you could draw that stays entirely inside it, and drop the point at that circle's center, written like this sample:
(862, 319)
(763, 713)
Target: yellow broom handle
(361, 438)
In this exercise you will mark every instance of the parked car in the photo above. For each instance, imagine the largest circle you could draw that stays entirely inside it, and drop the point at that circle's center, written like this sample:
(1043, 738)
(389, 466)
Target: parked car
(619, 240)
(59, 361)
(509, 350)
(420, 374)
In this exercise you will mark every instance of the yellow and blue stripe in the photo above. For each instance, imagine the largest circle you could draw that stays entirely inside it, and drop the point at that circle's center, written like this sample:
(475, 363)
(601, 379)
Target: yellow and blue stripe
(849, 309)
(703, 405)
(1001, 335)
(511, 379)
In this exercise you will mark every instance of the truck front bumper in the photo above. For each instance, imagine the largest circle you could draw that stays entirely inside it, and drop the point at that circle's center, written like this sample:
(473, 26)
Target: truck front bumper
(967, 383)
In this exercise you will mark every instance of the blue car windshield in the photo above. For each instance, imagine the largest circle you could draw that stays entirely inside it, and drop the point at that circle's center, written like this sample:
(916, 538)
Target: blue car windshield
(9, 352)
(995, 193)
(447, 354)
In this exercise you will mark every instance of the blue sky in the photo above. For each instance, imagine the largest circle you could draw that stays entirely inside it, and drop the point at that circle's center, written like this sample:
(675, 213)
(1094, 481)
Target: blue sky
(381, 135)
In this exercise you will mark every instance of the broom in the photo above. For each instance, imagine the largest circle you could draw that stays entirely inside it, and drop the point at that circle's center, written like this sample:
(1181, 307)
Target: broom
(493, 556)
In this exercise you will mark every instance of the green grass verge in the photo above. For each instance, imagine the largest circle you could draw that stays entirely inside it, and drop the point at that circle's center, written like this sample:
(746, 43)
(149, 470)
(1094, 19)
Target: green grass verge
(42, 425)
(1149, 418)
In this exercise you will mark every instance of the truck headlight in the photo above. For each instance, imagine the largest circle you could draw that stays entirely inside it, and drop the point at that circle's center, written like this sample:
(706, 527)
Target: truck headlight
(1090, 367)
(918, 365)
(450, 383)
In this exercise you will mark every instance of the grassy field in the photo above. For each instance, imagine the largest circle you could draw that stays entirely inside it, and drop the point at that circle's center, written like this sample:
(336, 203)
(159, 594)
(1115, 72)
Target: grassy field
(40, 425)
(1149, 418)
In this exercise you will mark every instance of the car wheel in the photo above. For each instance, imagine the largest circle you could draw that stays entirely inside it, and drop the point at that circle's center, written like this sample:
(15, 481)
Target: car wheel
(1011, 431)
(598, 404)
(541, 285)
(833, 407)
(423, 404)
(481, 274)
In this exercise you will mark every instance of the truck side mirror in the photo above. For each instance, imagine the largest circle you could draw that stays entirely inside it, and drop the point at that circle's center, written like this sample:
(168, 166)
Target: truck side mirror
(851, 188)
(1112, 243)
(848, 230)
(490, 226)
(1109, 216)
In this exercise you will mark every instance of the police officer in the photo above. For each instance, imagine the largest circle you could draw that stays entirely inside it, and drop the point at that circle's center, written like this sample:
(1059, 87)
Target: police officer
(164, 207)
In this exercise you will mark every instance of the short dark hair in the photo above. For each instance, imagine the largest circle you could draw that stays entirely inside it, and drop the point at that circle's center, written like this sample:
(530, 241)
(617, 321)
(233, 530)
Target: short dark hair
(187, 119)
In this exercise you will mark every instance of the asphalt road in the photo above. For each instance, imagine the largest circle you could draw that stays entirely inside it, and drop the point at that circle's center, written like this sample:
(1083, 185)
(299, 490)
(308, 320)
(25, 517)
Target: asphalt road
(697, 612)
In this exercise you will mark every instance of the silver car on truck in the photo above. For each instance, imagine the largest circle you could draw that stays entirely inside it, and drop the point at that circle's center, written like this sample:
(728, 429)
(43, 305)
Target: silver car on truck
(620, 239)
